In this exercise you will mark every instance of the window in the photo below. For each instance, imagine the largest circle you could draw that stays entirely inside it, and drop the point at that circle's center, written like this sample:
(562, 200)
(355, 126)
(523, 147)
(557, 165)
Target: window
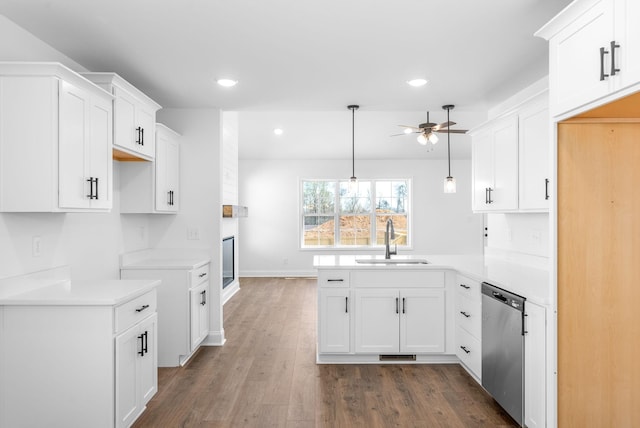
(339, 214)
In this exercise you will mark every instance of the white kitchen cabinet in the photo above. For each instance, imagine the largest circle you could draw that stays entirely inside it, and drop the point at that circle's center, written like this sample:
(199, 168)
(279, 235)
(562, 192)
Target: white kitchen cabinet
(594, 50)
(495, 165)
(199, 309)
(534, 124)
(153, 187)
(134, 117)
(136, 370)
(183, 321)
(56, 140)
(70, 352)
(535, 369)
(469, 324)
(390, 321)
(334, 320)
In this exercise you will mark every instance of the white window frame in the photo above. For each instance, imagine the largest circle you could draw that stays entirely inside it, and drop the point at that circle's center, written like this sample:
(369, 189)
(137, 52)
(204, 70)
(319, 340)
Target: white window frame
(336, 214)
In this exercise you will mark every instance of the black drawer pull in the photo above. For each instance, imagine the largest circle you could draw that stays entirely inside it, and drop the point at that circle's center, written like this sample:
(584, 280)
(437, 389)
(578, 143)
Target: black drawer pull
(202, 274)
(465, 286)
(335, 280)
(464, 348)
(465, 314)
(142, 308)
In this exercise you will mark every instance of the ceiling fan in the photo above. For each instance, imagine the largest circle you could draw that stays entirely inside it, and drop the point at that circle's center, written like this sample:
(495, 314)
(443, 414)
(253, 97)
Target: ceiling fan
(428, 129)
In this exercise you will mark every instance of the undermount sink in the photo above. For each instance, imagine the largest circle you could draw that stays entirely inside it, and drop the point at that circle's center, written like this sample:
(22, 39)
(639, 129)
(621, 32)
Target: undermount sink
(393, 261)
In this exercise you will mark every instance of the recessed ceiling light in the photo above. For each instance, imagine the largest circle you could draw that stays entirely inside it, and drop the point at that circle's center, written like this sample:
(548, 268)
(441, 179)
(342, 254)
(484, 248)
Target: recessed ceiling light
(416, 83)
(278, 131)
(227, 83)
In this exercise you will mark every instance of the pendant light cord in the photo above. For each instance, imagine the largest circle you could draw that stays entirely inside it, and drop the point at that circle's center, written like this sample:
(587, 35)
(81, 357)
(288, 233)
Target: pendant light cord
(353, 109)
(448, 143)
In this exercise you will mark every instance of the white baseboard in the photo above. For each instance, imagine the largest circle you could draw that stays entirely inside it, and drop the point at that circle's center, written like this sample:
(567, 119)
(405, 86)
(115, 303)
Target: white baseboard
(229, 291)
(279, 274)
(214, 338)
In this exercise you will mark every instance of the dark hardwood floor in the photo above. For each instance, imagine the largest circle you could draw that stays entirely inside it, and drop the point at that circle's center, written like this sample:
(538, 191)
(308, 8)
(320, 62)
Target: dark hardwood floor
(266, 376)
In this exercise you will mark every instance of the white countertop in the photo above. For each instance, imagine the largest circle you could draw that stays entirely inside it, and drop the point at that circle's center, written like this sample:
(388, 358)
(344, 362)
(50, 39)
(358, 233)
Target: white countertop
(527, 281)
(78, 293)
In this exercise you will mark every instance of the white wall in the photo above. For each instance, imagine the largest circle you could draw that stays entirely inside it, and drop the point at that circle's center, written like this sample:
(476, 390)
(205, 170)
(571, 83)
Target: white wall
(442, 224)
(88, 243)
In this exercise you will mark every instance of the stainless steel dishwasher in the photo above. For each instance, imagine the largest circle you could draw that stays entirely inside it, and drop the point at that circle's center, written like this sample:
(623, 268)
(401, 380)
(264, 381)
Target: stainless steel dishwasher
(503, 348)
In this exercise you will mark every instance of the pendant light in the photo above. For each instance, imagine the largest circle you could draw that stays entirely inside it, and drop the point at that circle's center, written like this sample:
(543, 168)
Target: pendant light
(353, 181)
(449, 181)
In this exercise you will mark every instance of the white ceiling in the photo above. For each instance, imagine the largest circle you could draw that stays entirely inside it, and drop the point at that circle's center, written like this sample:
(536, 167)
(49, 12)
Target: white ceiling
(305, 56)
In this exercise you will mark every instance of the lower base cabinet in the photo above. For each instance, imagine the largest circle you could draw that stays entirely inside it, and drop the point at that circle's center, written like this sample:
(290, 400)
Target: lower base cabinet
(334, 318)
(391, 321)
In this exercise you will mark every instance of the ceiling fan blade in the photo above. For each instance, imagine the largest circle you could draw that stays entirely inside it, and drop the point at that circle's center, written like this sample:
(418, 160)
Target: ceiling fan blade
(453, 131)
(406, 133)
(443, 125)
(410, 127)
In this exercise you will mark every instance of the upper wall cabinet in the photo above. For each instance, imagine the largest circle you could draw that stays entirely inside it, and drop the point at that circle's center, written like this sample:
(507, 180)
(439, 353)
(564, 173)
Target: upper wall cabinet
(134, 117)
(55, 140)
(510, 160)
(594, 48)
(153, 187)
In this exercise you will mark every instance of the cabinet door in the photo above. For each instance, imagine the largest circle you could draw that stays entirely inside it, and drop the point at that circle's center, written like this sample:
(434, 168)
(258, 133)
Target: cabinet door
(575, 63)
(128, 345)
(627, 56)
(167, 173)
(74, 108)
(146, 121)
(334, 313)
(482, 164)
(199, 314)
(422, 321)
(504, 193)
(535, 370)
(100, 153)
(124, 117)
(534, 147)
(377, 321)
(148, 363)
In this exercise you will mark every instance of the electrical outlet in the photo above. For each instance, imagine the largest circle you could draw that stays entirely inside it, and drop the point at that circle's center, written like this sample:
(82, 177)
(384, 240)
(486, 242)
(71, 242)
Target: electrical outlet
(36, 246)
(193, 233)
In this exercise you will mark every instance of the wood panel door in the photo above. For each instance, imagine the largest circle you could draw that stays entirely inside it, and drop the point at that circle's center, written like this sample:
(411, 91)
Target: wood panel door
(598, 274)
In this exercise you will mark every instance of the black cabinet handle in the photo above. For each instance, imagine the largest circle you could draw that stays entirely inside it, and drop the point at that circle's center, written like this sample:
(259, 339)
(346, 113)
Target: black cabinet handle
(141, 351)
(397, 310)
(146, 343)
(465, 286)
(169, 197)
(603, 52)
(346, 305)
(171, 193)
(464, 348)
(546, 189)
(465, 314)
(203, 299)
(142, 136)
(139, 136)
(142, 308)
(404, 306)
(614, 46)
(486, 195)
(489, 200)
(97, 197)
(91, 181)
(335, 280)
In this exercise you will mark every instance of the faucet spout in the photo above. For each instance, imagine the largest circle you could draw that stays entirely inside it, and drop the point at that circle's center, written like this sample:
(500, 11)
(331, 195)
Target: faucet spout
(389, 234)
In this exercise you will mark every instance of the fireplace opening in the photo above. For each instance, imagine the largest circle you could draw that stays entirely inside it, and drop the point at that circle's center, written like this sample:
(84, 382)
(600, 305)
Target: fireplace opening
(228, 265)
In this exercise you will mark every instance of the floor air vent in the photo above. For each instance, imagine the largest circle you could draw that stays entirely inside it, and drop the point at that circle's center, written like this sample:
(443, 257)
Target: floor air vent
(397, 357)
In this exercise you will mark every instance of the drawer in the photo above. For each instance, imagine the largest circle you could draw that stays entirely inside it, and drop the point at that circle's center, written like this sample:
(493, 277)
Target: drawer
(470, 288)
(469, 315)
(199, 275)
(397, 278)
(333, 278)
(135, 310)
(469, 350)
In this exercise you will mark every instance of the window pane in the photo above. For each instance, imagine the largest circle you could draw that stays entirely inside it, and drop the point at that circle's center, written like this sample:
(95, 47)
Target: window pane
(355, 230)
(319, 230)
(318, 197)
(399, 226)
(357, 201)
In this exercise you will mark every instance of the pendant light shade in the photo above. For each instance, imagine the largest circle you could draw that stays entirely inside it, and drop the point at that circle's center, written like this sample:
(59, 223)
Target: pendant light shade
(353, 181)
(449, 181)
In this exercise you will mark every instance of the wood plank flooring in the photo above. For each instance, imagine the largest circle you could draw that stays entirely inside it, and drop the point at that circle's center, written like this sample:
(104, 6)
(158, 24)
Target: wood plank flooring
(266, 376)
